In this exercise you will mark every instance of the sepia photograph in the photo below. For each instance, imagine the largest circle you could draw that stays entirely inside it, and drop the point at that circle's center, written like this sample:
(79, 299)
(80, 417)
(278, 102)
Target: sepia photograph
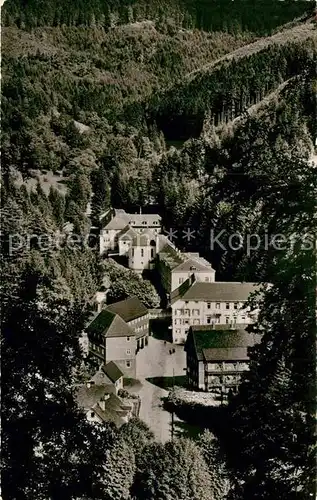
(158, 249)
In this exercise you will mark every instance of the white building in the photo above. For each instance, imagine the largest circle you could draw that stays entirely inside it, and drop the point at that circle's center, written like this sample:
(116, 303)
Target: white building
(209, 303)
(143, 250)
(117, 223)
(196, 266)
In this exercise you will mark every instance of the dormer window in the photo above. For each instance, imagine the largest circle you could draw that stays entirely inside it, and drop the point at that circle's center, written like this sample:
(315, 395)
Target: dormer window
(193, 268)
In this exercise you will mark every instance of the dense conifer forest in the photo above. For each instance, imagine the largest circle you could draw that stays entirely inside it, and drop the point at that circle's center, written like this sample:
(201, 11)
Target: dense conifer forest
(134, 104)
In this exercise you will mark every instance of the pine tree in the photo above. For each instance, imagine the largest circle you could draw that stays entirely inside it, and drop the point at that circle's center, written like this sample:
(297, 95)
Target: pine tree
(50, 451)
(118, 472)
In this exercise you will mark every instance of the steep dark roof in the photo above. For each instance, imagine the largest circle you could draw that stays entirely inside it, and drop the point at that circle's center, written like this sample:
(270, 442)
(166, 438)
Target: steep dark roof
(128, 309)
(112, 371)
(207, 340)
(219, 291)
(117, 223)
(87, 397)
(192, 265)
(109, 324)
(226, 354)
(169, 256)
(107, 415)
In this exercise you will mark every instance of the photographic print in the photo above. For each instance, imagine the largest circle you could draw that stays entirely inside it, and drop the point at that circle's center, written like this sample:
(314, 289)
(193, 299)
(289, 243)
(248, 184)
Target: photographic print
(158, 249)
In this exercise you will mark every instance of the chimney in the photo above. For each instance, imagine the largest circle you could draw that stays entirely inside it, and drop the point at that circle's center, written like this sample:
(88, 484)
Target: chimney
(103, 400)
(140, 210)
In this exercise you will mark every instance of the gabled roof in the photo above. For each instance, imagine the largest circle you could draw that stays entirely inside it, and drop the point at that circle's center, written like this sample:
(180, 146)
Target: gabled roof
(169, 256)
(128, 309)
(226, 354)
(107, 415)
(144, 239)
(152, 220)
(86, 397)
(127, 233)
(108, 324)
(191, 265)
(112, 371)
(118, 223)
(206, 341)
(218, 291)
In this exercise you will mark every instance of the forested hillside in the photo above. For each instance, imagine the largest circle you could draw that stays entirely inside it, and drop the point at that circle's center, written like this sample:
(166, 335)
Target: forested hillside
(92, 94)
(258, 16)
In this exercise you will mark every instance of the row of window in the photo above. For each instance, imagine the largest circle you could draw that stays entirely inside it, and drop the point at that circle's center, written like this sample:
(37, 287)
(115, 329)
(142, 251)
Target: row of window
(228, 320)
(227, 305)
(207, 279)
(145, 223)
(187, 312)
(142, 253)
(97, 348)
(187, 322)
(140, 328)
(227, 366)
(137, 320)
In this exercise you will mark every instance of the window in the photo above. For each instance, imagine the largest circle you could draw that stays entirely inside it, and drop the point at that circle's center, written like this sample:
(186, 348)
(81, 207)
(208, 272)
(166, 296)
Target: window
(180, 280)
(177, 330)
(227, 305)
(208, 320)
(142, 252)
(227, 320)
(128, 339)
(128, 364)
(187, 312)
(195, 312)
(186, 301)
(235, 305)
(186, 322)
(128, 351)
(152, 253)
(92, 414)
(208, 305)
(132, 252)
(217, 305)
(243, 318)
(196, 322)
(144, 222)
(206, 279)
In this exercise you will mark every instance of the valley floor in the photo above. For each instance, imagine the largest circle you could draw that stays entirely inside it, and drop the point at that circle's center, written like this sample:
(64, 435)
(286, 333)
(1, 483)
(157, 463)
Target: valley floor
(156, 368)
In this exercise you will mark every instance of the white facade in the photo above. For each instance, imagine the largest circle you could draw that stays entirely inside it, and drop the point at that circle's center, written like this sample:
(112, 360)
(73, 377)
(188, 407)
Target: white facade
(124, 245)
(179, 277)
(121, 220)
(144, 249)
(108, 240)
(188, 313)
